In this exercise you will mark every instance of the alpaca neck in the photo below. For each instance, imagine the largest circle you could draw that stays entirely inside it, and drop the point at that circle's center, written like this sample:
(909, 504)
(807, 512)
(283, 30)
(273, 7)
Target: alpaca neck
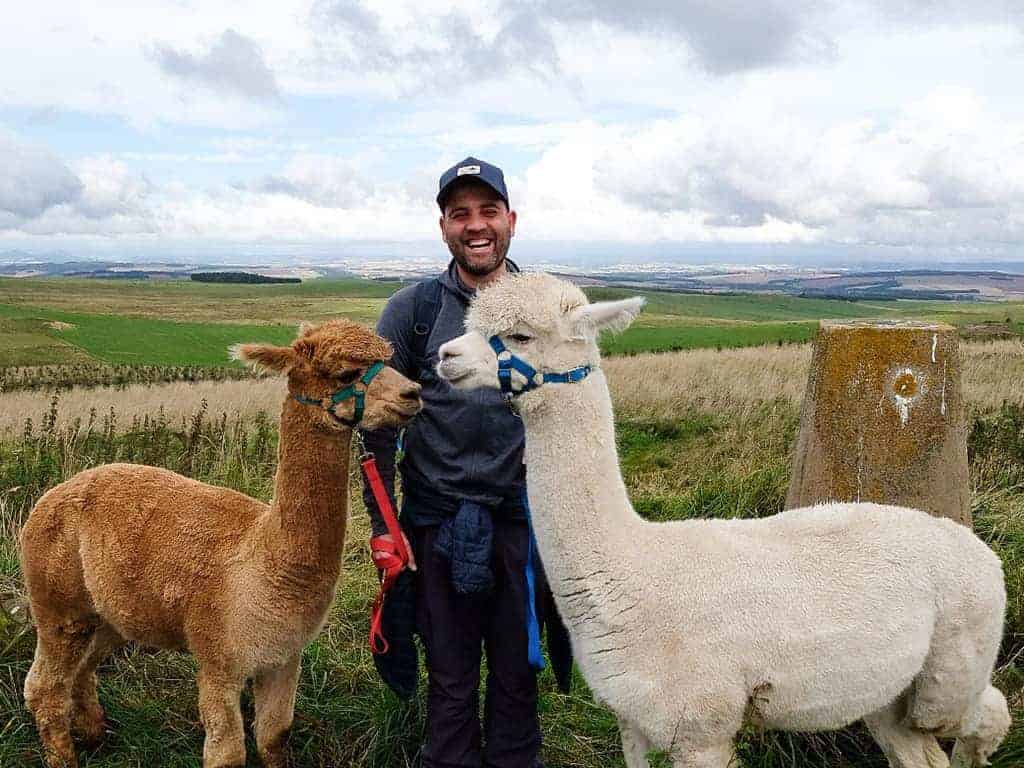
(581, 512)
(304, 528)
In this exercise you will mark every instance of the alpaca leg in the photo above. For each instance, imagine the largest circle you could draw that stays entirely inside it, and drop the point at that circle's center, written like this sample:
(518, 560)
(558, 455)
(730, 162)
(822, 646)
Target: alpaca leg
(982, 731)
(704, 756)
(949, 681)
(60, 646)
(274, 691)
(87, 716)
(904, 747)
(220, 709)
(635, 745)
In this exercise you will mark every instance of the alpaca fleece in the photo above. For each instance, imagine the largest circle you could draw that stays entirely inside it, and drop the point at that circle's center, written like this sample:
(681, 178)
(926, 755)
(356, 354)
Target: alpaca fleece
(807, 620)
(127, 552)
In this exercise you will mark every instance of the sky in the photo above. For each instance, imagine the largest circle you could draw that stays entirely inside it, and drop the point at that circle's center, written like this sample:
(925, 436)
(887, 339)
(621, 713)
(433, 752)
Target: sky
(775, 130)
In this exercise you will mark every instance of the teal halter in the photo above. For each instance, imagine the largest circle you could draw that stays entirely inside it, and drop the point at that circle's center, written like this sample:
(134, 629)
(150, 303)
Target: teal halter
(352, 390)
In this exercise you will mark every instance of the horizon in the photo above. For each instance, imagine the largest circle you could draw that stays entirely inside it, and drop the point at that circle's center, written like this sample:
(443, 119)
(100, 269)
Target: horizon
(422, 257)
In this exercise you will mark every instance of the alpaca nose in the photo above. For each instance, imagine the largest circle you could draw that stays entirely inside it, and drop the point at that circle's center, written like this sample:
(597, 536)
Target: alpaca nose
(445, 352)
(410, 392)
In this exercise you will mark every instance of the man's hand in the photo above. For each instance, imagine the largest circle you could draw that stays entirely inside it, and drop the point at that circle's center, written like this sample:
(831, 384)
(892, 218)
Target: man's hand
(378, 554)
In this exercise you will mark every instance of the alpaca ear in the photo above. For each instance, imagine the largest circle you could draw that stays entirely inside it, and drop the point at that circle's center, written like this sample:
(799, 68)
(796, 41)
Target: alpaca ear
(266, 357)
(304, 348)
(611, 316)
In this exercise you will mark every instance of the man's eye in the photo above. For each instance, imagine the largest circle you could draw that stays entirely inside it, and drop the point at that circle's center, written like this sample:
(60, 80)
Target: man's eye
(522, 338)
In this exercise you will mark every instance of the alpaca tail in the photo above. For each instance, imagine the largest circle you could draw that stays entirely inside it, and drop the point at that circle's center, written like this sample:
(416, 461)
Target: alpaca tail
(982, 731)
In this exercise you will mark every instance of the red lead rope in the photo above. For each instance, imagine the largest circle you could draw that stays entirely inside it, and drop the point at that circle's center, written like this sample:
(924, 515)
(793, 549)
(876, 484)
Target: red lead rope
(397, 555)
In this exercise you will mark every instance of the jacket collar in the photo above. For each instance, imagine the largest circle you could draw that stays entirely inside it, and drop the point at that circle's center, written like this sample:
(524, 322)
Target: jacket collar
(451, 282)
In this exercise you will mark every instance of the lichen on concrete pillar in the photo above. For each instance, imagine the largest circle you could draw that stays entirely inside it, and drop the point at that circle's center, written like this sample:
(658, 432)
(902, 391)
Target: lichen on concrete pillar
(884, 420)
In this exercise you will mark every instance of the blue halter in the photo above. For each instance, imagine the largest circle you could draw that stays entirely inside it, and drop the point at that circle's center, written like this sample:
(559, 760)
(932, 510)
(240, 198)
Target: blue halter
(533, 377)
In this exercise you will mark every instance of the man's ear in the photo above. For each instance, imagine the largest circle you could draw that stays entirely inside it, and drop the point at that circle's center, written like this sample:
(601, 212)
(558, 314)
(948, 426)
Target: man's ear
(611, 316)
(266, 357)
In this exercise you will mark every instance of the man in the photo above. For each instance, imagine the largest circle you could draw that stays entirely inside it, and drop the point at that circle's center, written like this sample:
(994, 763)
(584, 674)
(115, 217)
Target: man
(463, 484)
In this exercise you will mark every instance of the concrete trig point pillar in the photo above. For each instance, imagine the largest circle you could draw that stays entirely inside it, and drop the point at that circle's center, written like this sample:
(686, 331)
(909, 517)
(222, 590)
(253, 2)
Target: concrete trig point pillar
(884, 420)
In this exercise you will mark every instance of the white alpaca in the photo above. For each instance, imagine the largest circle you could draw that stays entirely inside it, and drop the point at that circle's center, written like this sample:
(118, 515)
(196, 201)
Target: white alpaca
(808, 620)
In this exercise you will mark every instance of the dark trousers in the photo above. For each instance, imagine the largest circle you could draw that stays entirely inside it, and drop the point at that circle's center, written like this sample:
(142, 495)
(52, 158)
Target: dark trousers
(453, 628)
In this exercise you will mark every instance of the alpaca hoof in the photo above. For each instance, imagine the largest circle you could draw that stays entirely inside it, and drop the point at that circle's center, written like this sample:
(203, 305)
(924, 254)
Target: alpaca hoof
(90, 731)
(92, 738)
(276, 755)
(58, 748)
(960, 757)
(275, 760)
(61, 759)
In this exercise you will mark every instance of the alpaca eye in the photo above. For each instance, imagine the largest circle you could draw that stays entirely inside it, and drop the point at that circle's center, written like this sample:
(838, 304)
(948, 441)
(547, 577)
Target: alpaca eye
(347, 377)
(522, 338)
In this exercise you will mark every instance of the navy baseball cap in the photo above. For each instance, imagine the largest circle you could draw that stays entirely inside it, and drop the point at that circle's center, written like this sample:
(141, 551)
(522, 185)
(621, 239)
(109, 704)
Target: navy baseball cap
(471, 168)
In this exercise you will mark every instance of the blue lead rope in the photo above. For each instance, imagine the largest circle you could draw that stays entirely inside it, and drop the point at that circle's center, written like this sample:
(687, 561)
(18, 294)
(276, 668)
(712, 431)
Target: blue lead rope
(534, 652)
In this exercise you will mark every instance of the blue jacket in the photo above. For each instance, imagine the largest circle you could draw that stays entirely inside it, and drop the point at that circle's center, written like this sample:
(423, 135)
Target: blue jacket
(463, 462)
(463, 446)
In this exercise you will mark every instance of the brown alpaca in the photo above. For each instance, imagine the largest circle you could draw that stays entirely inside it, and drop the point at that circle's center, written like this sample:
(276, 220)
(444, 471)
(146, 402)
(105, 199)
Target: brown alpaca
(126, 552)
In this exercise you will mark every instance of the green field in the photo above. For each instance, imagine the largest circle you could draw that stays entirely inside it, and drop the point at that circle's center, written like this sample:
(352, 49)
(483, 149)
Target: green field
(680, 458)
(124, 340)
(175, 322)
(206, 302)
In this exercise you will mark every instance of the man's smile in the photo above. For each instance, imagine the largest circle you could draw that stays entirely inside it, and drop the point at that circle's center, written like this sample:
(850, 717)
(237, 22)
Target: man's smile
(479, 244)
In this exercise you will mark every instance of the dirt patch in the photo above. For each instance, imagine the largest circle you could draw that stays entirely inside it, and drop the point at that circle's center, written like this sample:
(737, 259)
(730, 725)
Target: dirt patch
(57, 325)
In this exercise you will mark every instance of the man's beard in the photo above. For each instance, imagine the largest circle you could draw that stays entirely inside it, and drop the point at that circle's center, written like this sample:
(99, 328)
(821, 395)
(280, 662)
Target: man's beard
(479, 268)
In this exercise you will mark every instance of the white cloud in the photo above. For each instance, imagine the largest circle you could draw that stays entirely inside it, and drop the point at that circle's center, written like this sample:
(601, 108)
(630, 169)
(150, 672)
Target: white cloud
(724, 37)
(100, 60)
(40, 194)
(234, 63)
(33, 179)
(111, 188)
(423, 49)
(944, 168)
(943, 171)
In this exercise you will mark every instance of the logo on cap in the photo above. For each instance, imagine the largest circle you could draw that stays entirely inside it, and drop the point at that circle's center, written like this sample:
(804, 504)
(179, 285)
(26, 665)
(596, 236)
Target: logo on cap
(467, 169)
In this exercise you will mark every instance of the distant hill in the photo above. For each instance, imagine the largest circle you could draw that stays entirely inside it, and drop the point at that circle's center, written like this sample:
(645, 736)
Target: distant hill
(920, 284)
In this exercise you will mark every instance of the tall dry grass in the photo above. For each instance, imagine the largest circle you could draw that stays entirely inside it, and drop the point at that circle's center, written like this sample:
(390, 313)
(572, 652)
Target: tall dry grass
(665, 385)
(654, 385)
(179, 401)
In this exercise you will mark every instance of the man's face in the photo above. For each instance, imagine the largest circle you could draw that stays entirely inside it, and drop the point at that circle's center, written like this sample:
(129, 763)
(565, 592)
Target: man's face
(477, 227)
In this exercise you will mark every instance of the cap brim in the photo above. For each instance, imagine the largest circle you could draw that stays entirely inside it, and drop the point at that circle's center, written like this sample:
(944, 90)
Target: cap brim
(451, 186)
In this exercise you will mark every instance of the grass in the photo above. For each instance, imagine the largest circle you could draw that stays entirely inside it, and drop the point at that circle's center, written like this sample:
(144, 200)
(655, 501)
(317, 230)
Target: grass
(123, 340)
(207, 302)
(181, 323)
(780, 308)
(700, 434)
(680, 336)
(28, 341)
(91, 374)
